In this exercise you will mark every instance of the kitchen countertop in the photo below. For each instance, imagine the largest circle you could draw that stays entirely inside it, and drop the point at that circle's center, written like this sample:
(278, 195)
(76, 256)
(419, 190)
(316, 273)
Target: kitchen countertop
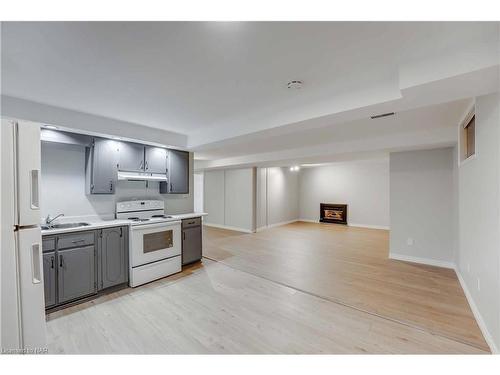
(96, 223)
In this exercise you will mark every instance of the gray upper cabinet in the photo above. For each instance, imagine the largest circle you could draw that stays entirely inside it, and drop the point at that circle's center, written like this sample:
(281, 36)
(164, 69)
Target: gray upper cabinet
(131, 157)
(49, 278)
(76, 273)
(105, 157)
(101, 166)
(155, 160)
(178, 173)
(112, 257)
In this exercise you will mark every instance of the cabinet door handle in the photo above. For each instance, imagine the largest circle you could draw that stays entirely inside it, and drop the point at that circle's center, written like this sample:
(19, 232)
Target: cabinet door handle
(52, 262)
(78, 241)
(184, 236)
(60, 260)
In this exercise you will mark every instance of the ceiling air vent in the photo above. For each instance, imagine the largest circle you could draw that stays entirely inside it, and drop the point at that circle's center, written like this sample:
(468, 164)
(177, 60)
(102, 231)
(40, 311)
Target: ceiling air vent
(382, 115)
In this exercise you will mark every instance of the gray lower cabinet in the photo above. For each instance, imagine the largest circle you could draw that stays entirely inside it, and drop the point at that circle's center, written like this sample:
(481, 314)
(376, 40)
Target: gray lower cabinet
(49, 278)
(76, 273)
(191, 240)
(112, 257)
(79, 264)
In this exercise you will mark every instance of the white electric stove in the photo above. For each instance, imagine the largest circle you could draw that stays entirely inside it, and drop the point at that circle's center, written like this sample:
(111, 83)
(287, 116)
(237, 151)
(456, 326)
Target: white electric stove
(155, 243)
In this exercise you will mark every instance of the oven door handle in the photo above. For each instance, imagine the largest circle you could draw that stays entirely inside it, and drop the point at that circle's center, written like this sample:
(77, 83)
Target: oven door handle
(155, 225)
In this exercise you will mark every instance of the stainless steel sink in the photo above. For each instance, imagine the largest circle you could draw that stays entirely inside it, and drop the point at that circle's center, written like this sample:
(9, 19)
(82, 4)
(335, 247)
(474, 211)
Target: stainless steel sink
(64, 226)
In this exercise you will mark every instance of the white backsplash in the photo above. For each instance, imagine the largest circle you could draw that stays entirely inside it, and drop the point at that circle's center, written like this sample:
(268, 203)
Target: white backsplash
(63, 187)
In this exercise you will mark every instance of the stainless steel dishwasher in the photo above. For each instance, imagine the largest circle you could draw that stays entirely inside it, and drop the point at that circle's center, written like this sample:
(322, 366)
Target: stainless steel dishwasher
(191, 240)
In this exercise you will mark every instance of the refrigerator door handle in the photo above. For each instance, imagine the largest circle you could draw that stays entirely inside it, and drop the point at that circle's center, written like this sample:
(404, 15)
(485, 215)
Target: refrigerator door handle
(34, 187)
(36, 272)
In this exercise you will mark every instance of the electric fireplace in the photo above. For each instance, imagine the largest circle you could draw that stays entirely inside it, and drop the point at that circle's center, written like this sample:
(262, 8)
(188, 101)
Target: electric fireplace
(333, 213)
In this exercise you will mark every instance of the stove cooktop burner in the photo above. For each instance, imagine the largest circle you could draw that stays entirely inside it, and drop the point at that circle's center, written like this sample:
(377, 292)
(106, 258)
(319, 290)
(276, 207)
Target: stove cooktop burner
(161, 216)
(137, 219)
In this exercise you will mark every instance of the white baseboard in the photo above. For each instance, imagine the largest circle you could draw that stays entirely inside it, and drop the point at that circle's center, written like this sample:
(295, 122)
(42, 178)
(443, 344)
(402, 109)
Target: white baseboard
(309, 221)
(282, 223)
(369, 226)
(237, 229)
(350, 224)
(477, 314)
(427, 261)
(260, 229)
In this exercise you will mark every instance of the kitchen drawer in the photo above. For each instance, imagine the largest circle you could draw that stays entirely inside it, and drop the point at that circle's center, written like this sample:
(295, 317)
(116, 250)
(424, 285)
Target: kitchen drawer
(193, 222)
(80, 239)
(153, 271)
(48, 244)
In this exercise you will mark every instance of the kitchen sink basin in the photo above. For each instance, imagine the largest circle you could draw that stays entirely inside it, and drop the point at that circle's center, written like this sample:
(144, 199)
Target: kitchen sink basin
(64, 226)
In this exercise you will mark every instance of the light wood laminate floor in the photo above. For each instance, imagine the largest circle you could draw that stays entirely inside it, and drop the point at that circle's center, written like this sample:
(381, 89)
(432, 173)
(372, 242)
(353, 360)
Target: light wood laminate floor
(350, 265)
(218, 309)
(300, 288)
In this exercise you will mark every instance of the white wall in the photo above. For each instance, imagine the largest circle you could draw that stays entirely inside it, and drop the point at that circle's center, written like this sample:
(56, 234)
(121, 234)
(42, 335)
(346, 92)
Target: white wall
(277, 196)
(261, 198)
(198, 192)
(239, 198)
(362, 185)
(63, 186)
(229, 198)
(421, 206)
(282, 195)
(479, 234)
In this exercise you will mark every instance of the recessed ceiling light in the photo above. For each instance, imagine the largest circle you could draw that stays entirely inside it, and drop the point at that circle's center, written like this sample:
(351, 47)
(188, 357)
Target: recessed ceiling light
(295, 168)
(52, 127)
(295, 84)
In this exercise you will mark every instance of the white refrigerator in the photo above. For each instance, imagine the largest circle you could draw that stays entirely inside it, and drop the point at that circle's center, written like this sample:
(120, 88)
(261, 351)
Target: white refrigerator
(22, 290)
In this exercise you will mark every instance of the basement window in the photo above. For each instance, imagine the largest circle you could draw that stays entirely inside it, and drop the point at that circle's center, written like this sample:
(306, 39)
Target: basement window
(468, 137)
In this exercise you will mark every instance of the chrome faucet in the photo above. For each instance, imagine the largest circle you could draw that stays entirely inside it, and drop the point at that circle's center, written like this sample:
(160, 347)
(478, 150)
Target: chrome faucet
(49, 220)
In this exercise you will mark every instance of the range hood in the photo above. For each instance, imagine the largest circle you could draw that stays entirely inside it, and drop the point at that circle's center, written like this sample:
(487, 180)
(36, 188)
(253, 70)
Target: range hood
(141, 176)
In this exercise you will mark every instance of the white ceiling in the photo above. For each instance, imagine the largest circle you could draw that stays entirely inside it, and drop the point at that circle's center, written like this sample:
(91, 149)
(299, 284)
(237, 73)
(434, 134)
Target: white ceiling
(217, 82)
(427, 118)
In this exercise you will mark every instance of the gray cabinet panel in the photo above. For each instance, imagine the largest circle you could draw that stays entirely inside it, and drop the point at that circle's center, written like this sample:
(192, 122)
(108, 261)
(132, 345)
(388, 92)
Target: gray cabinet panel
(131, 157)
(191, 244)
(156, 160)
(178, 182)
(112, 257)
(76, 273)
(48, 244)
(193, 222)
(49, 278)
(77, 239)
(102, 161)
